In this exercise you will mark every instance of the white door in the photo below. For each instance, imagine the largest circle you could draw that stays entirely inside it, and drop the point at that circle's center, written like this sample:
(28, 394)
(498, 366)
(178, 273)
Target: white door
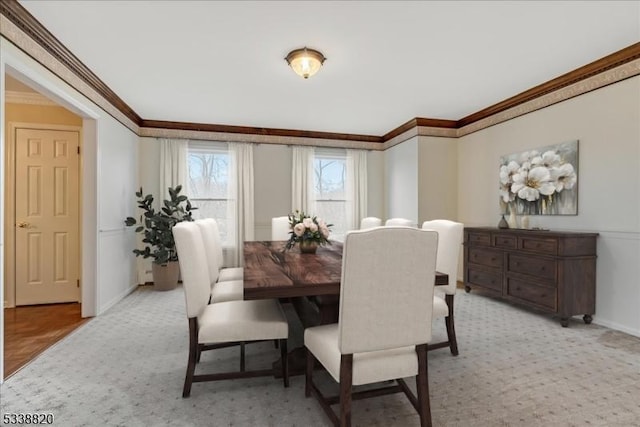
(47, 164)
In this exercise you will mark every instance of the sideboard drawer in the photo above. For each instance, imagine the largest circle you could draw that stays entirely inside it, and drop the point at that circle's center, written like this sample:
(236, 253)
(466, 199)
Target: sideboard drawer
(483, 239)
(485, 279)
(538, 267)
(543, 246)
(504, 241)
(533, 294)
(486, 257)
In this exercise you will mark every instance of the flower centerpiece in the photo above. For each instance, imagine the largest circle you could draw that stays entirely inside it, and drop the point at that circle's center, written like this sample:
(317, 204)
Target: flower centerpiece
(308, 231)
(539, 182)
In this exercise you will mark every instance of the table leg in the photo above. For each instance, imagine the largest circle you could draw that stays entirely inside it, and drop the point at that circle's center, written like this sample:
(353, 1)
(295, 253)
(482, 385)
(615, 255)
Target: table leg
(322, 311)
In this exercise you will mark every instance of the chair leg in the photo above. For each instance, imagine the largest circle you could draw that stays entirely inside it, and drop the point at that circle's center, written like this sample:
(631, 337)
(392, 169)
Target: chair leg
(422, 385)
(346, 379)
(242, 357)
(308, 373)
(285, 361)
(193, 356)
(451, 330)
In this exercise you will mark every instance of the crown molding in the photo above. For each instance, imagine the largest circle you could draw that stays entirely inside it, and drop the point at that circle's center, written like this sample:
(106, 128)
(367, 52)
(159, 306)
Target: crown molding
(258, 131)
(608, 70)
(31, 98)
(599, 66)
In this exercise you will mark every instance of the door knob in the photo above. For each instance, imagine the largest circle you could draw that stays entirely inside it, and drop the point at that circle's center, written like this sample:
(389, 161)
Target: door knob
(23, 224)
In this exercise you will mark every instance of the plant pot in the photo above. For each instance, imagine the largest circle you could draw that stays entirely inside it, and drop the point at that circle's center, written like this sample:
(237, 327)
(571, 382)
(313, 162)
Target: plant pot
(308, 247)
(165, 276)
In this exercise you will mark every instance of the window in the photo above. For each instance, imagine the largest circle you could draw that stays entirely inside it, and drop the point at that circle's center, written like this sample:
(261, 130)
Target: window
(329, 184)
(209, 165)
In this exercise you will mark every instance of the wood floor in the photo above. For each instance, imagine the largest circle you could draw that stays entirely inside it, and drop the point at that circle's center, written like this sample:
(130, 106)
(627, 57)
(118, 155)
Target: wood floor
(29, 330)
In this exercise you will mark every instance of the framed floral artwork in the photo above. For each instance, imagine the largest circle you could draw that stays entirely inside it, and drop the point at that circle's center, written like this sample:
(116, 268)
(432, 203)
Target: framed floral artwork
(543, 181)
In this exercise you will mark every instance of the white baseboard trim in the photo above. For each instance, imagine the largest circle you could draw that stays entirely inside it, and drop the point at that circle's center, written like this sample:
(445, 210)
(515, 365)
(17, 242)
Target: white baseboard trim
(617, 327)
(104, 307)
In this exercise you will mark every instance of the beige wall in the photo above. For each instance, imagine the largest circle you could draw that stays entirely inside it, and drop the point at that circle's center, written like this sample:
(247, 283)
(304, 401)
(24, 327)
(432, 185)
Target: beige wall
(53, 115)
(607, 124)
(437, 178)
(272, 181)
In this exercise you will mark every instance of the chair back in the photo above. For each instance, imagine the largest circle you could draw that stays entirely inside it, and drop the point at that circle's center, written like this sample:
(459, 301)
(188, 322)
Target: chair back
(370, 222)
(450, 235)
(193, 266)
(399, 222)
(208, 229)
(280, 228)
(386, 292)
(215, 232)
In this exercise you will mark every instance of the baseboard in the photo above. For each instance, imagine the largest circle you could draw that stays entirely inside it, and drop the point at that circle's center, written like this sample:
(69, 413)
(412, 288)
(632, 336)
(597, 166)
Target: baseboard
(117, 299)
(617, 327)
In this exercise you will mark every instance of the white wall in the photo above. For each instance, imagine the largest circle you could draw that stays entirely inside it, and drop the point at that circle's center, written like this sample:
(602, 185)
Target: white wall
(401, 180)
(117, 174)
(607, 124)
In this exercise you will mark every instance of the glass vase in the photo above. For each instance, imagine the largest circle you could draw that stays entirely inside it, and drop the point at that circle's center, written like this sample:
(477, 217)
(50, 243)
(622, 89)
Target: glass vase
(308, 246)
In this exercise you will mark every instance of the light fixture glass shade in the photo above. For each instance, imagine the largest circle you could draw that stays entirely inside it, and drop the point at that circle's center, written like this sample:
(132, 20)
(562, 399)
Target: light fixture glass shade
(305, 62)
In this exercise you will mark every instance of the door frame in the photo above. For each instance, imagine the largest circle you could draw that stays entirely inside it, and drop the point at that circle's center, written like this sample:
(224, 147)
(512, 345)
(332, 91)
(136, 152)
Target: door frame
(10, 203)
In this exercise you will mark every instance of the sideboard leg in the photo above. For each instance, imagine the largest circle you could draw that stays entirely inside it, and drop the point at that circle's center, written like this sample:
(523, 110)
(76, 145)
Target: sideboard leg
(587, 319)
(564, 321)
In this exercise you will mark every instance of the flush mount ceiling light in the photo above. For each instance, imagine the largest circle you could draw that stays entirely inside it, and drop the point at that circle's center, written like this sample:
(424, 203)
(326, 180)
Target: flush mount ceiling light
(305, 62)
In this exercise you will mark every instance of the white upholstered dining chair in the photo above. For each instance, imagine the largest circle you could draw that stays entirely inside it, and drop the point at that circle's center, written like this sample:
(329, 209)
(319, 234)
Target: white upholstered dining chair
(225, 273)
(223, 324)
(450, 235)
(370, 222)
(280, 228)
(228, 290)
(384, 307)
(402, 222)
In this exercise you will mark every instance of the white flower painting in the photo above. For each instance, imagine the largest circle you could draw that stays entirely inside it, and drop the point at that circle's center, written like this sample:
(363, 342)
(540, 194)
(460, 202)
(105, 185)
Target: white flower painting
(540, 182)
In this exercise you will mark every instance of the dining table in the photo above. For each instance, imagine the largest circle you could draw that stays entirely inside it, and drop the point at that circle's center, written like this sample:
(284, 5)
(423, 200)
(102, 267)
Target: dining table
(310, 282)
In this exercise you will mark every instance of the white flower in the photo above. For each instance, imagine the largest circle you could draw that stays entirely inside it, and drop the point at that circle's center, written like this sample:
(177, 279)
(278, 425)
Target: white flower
(529, 184)
(298, 229)
(549, 159)
(527, 156)
(507, 171)
(307, 222)
(564, 177)
(324, 230)
(313, 227)
(506, 179)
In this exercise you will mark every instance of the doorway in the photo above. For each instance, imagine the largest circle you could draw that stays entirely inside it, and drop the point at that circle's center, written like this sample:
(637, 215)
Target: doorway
(42, 223)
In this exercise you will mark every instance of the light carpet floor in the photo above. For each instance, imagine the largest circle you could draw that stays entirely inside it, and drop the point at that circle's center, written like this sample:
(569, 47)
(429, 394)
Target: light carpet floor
(516, 368)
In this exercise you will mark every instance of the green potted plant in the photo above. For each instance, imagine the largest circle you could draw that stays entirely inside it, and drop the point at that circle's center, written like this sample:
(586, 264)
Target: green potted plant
(156, 225)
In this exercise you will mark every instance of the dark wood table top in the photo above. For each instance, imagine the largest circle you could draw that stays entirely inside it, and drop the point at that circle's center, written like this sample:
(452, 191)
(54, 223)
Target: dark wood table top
(270, 271)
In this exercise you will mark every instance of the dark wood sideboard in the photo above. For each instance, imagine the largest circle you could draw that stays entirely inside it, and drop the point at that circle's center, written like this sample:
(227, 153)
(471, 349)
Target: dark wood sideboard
(551, 271)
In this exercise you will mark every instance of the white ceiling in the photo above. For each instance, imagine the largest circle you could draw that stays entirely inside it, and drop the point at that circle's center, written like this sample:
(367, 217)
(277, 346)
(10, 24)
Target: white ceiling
(223, 62)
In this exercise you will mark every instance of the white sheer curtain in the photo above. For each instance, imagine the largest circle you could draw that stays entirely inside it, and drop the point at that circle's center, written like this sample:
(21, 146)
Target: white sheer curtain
(356, 188)
(174, 166)
(240, 213)
(302, 196)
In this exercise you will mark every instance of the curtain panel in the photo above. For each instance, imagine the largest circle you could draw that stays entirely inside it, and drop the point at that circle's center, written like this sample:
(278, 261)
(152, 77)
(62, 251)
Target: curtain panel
(302, 195)
(356, 188)
(241, 189)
